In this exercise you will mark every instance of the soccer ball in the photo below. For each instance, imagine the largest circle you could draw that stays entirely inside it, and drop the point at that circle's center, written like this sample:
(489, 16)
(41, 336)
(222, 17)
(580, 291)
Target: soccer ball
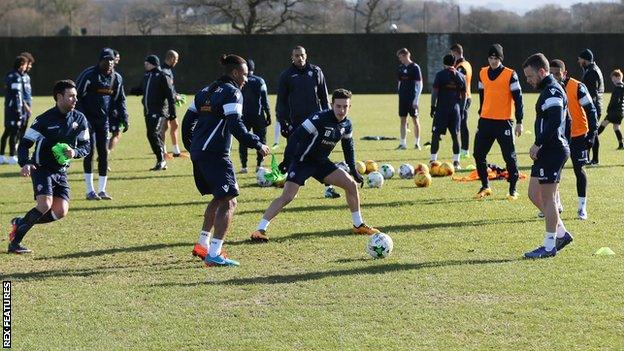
(406, 171)
(435, 168)
(374, 180)
(422, 179)
(446, 169)
(379, 245)
(387, 171)
(261, 179)
(371, 166)
(421, 167)
(360, 167)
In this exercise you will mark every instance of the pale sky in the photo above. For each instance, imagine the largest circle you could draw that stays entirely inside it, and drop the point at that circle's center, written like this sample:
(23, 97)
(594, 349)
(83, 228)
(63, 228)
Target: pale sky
(520, 6)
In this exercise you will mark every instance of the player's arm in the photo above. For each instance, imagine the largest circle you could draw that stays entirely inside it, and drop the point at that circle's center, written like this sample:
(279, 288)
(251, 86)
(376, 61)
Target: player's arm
(593, 84)
(264, 101)
(120, 101)
(418, 85)
(434, 95)
(553, 106)
(233, 112)
(480, 88)
(463, 91)
(516, 93)
(321, 90)
(33, 134)
(14, 90)
(83, 142)
(82, 83)
(188, 125)
(302, 134)
(590, 110)
(170, 94)
(281, 105)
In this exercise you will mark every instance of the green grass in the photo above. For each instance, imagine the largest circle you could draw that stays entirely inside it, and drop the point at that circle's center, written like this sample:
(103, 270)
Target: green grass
(119, 274)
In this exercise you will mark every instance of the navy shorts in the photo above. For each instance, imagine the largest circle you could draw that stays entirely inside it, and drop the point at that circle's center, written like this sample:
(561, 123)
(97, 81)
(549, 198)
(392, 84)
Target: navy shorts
(578, 151)
(406, 107)
(614, 118)
(446, 120)
(300, 171)
(547, 168)
(215, 176)
(50, 183)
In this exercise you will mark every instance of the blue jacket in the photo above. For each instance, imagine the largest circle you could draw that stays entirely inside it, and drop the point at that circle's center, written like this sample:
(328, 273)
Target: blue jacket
(13, 98)
(99, 95)
(255, 99)
(211, 120)
(551, 113)
(301, 93)
(27, 89)
(47, 130)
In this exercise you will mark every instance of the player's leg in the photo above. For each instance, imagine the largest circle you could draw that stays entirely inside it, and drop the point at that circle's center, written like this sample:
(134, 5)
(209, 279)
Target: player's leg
(154, 127)
(162, 131)
(12, 140)
(483, 142)
(618, 135)
(291, 188)
(341, 179)
(101, 144)
(242, 149)
(579, 156)
(596, 148)
(173, 132)
(416, 122)
(505, 140)
(465, 133)
(277, 132)
(435, 145)
(403, 132)
(87, 164)
(3, 142)
(454, 133)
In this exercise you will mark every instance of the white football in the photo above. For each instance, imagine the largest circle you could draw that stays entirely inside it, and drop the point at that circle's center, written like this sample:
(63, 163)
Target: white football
(261, 179)
(406, 171)
(379, 245)
(374, 180)
(387, 171)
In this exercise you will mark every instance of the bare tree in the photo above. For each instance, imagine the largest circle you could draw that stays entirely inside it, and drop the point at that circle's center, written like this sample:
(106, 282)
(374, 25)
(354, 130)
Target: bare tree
(377, 13)
(252, 16)
(147, 15)
(67, 8)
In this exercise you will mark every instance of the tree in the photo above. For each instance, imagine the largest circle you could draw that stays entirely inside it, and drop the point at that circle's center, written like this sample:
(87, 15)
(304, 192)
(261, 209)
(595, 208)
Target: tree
(147, 15)
(377, 13)
(252, 16)
(67, 8)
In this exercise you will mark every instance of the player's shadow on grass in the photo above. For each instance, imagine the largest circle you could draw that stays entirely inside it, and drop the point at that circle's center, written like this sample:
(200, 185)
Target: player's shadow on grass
(369, 269)
(153, 175)
(88, 272)
(10, 175)
(115, 250)
(422, 227)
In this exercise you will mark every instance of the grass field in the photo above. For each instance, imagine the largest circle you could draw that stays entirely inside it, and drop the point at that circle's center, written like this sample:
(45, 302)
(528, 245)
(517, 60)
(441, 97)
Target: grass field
(119, 274)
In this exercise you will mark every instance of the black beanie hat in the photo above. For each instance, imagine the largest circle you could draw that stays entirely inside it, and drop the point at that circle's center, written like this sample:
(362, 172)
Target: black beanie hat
(448, 60)
(107, 54)
(153, 59)
(497, 51)
(587, 55)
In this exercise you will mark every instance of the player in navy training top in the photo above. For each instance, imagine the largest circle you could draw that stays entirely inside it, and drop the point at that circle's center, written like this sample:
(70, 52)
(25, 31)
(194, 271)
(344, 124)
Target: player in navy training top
(256, 112)
(100, 91)
(311, 144)
(13, 109)
(409, 88)
(549, 152)
(60, 124)
(118, 120)
(207, 128)
(27, 93)
(448, 99)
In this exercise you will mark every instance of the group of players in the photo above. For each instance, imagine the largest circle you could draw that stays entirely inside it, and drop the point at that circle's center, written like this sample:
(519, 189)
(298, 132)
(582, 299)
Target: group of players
(312, 128)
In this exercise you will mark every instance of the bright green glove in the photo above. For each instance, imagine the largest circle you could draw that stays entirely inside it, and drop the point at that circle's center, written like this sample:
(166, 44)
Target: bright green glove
(58, 151)
(181, 101)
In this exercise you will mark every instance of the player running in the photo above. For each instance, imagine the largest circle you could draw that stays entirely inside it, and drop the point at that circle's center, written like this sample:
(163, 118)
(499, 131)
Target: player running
(448, 100)
(549, 153)
(499, 92)
(207, 128)
(409, 88)
(582, 129)
(61, 124)
(311, 144)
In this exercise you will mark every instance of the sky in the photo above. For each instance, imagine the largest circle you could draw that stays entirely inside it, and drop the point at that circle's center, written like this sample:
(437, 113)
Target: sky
(519, 6)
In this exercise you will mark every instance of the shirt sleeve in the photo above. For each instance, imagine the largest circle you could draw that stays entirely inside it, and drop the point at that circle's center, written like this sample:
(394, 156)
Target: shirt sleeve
(516, 93)
(83, 142)
(264, 97)
(282, 112)
(588, 105)
(233, 111)
(322, 91)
